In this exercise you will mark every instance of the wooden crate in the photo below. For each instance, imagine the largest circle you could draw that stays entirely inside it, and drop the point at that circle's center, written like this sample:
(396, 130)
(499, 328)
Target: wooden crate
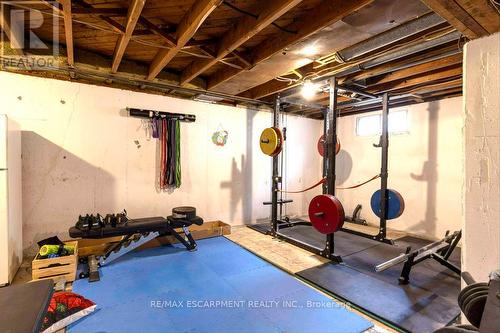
(55, 268)
(206, 230)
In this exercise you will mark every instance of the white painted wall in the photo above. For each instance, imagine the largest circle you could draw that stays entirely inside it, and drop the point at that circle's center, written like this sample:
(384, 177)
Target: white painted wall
(425, 166)
(481, 252)
(79, 156)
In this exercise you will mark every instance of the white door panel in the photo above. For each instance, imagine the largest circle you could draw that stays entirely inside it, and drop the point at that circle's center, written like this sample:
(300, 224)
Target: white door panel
(3, 141)
(4, 230)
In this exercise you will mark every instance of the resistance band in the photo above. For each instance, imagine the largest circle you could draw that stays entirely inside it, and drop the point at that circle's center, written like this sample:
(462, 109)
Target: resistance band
(322, 181)
(177, 153)
(358, 185)
(169, 134)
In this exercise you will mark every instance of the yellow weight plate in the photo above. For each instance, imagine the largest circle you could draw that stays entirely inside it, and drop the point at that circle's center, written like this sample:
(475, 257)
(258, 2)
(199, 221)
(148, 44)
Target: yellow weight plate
(270, 141)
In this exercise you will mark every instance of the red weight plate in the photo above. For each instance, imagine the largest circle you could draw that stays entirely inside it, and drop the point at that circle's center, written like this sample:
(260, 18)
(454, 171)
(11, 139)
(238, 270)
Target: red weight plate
(326, 213)
(321, 146)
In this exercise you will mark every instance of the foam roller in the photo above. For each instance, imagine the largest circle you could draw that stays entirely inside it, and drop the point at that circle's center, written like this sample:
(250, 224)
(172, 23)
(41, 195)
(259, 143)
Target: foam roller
(46, 250)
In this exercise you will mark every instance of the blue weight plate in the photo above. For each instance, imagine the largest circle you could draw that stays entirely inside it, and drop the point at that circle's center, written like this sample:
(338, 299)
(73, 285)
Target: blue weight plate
(396, 204)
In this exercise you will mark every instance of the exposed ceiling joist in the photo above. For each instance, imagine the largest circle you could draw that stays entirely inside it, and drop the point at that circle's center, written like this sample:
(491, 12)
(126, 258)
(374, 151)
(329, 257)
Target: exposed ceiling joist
(245, 29)
(484, 12)
(432, 76)
(418, 75)
(423, 57)
(452, 12)
(325, 14)
(68, 30)
(115, 26)
(185, 31)
(418, 69)
(417, 44)
(100, 11)
(134, 12)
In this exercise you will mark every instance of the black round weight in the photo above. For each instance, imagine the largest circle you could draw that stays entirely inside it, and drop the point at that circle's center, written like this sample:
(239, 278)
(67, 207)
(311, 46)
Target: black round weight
(471, 297)
(475, 287)
(474, 309)
(184, 212)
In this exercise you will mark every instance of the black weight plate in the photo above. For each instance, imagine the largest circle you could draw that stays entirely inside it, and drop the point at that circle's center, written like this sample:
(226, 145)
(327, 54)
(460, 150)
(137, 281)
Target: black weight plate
(468, 289)
(472, 297)
(474, 309)
(184, 212)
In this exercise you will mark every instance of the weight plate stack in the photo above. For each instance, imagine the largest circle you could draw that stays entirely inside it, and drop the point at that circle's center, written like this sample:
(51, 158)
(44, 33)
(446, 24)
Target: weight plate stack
(184, 212)
(470, 289)
(475, 307)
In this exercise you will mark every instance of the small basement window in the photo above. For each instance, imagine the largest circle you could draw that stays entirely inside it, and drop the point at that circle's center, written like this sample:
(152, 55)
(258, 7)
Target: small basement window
(372, 125)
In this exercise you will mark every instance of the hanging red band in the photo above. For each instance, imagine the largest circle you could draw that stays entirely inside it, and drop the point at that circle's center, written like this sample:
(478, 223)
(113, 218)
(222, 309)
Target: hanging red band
(358, 185)
(322, 181)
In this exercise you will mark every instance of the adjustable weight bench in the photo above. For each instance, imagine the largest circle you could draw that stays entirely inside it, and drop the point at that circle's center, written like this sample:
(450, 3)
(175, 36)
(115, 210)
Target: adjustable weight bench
(135, 232)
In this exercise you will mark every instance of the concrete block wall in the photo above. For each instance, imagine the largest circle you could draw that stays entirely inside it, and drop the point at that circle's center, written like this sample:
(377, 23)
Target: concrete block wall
(481, 245)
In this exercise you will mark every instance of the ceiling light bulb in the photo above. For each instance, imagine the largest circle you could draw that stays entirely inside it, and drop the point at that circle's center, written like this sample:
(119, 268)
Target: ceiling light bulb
(309, 90)
(309, 50)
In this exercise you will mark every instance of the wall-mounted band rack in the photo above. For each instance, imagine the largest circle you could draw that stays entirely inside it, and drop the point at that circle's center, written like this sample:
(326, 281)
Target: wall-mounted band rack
(143, 113)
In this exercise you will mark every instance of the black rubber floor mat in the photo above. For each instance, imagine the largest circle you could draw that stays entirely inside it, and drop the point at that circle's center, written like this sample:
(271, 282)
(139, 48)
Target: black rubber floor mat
(345, 243)
(426, 304)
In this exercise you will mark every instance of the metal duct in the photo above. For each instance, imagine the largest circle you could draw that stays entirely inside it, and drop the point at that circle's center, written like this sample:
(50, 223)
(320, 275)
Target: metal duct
(403, 31)
(412, 49)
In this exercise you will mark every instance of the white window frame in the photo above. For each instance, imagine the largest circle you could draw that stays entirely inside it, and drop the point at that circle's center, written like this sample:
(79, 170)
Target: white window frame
(378, 116)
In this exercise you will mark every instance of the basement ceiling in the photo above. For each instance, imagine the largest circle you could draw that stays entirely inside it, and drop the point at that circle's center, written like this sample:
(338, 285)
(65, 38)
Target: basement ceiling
(256, 49)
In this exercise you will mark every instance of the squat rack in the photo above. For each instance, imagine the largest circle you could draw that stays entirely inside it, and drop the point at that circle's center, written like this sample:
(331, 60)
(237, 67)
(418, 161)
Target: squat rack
(329, 172)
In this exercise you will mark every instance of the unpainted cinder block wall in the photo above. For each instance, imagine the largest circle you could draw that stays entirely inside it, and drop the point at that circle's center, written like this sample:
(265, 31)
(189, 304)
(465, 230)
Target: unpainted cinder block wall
(481, 250)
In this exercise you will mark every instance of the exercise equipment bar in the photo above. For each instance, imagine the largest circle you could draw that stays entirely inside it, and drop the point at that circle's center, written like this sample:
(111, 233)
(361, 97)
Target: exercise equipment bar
(144, 113)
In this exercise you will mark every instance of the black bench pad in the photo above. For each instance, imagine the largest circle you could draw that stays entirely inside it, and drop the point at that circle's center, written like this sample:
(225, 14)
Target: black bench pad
(134, 226)
(24, 306)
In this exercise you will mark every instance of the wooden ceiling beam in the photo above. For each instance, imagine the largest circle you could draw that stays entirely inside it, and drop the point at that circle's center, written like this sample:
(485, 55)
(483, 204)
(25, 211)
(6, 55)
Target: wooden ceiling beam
(415, 70)
(117, 27)
(421, 77)
(242, 57)
(157, 30)
(68, 31)
(390, 66)
(80, 11)
(274, 86)
(452, 12)
(435, 76)
(323, 15)
(134, 12)
(245, 29)
(188, 26)
(484, 12)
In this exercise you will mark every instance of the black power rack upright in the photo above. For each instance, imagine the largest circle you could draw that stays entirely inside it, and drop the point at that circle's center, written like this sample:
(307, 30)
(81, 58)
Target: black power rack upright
(329, 172)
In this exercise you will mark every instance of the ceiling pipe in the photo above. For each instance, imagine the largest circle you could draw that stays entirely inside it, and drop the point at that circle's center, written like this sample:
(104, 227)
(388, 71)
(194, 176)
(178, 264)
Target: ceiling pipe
(398, 33)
